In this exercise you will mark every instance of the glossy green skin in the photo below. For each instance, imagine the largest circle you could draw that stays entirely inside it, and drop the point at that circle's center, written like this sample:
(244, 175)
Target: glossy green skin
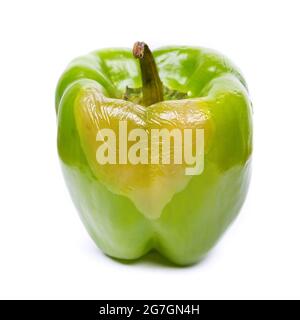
(195, 218)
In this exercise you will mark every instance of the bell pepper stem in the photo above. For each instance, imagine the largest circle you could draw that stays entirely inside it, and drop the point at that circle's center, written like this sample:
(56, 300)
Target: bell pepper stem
(152, 85)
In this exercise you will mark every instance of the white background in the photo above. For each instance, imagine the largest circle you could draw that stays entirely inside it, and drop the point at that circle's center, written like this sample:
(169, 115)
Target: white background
(45, 251)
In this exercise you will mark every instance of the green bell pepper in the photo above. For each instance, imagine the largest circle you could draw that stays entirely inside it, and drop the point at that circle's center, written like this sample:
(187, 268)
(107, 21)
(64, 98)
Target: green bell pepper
(131, 209)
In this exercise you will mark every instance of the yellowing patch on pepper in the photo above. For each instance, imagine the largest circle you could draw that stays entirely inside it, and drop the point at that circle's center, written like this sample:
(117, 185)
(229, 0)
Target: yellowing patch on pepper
(124, 146)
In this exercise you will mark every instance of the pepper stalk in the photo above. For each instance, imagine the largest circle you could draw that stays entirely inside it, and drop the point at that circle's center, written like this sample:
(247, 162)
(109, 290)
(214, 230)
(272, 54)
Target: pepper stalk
(152, 86)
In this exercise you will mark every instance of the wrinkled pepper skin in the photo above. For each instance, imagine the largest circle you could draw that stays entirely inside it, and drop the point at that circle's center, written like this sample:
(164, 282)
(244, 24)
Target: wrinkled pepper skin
(192, 214)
